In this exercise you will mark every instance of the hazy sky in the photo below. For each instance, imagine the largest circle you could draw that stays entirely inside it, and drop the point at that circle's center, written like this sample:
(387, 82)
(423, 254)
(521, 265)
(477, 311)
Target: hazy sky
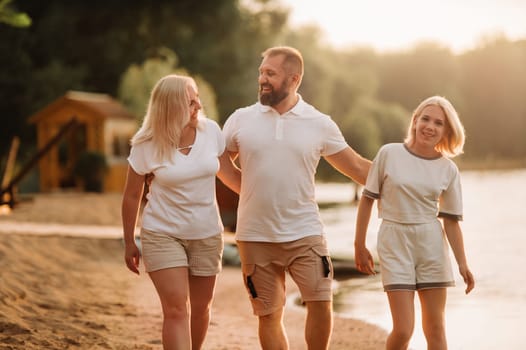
(397, 24)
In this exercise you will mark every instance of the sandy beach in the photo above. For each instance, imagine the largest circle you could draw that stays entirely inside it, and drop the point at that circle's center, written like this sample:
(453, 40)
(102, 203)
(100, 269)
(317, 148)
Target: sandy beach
(73, 291)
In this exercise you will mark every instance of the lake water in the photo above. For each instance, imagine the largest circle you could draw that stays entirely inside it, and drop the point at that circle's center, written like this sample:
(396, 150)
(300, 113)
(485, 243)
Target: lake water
(493, 315)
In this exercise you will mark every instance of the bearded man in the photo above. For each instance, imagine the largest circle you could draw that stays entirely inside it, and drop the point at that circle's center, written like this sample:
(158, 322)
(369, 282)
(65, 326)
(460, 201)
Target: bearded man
(279, 142)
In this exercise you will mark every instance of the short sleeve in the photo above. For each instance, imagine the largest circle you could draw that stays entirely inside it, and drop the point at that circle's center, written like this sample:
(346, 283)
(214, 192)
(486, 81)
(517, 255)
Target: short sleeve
(373, 184)
(230, 131)
(141, 158)
(334, 140)
(220, 140)
(450, 202)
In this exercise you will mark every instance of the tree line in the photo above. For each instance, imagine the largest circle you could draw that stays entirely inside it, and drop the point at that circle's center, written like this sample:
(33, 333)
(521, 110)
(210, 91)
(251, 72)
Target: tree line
(119, 47)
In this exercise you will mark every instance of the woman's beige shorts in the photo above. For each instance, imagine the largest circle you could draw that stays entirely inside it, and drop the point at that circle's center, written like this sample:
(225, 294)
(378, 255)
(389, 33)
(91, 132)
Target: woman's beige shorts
(162, 251)
(414, 256)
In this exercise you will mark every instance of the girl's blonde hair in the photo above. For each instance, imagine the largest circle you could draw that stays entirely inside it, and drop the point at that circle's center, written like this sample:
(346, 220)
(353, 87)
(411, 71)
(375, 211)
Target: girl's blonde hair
(167, 114)
(452, 144)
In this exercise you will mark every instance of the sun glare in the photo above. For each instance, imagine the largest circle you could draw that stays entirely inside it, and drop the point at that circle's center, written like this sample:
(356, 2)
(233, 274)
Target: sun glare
(392, 25)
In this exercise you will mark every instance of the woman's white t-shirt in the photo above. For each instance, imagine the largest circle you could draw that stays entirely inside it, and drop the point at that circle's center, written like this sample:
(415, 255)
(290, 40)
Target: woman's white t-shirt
(182, 197)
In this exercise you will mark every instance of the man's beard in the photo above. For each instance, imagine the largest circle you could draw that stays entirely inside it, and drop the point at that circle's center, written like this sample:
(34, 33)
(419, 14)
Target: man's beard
(273, 97)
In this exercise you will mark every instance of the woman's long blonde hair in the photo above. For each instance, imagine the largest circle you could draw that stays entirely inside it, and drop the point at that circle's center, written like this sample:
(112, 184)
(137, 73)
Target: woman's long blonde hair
(167, 114)
(452, 144)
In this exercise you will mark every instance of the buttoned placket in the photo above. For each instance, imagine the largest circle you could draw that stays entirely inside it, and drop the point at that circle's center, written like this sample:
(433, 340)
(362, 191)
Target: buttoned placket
(279, 128)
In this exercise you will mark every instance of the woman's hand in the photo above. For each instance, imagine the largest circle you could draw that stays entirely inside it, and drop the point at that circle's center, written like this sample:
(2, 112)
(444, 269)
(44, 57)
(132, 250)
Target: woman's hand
(132, 256)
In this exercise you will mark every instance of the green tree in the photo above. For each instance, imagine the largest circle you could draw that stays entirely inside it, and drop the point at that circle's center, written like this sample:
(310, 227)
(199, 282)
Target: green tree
(90, 45)
(316, 86)
(426, 70)
(10, 16)
(493, 107)
(139, 80)
(370, 124)
(227, 48)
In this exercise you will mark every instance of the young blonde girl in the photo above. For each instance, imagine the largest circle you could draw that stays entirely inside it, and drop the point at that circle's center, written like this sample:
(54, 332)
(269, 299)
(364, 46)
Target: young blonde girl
(419, 196)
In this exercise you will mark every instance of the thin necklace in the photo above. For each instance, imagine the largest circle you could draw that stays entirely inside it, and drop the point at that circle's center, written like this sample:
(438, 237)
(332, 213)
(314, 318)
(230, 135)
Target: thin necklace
(189, 146)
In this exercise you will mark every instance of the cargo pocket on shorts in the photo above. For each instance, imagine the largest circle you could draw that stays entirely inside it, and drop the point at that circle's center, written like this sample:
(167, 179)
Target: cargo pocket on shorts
(324, 269)
(248, 271)
(259, 304)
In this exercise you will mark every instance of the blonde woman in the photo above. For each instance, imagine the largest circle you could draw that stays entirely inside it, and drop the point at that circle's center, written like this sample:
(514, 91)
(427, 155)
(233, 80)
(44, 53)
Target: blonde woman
(181, 233)
(416, 184)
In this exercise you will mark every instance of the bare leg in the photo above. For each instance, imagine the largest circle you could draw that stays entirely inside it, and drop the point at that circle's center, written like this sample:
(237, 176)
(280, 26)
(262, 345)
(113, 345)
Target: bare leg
(172, 286)
(318, 326)
(402, 308)
(433, 303)
(201, 295)
(272, 332)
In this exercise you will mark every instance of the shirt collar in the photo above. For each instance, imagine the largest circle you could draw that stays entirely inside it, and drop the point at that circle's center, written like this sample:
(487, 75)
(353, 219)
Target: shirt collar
(297, 109)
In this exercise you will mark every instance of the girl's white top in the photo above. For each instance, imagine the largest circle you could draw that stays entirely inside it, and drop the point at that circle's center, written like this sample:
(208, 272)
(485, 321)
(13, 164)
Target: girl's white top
(411, 189)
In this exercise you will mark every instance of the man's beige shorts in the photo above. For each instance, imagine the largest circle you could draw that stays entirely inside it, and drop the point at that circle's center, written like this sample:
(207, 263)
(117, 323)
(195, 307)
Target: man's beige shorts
(264, 264)
(414, 256)
(201, 256)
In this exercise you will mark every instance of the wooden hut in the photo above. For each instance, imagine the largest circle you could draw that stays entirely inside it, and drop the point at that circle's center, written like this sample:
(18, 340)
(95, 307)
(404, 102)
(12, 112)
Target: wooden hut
(96, 124)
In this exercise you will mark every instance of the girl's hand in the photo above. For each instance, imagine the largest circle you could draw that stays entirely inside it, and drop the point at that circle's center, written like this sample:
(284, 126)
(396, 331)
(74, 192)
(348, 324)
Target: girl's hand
(364, 261)
(468, 278)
